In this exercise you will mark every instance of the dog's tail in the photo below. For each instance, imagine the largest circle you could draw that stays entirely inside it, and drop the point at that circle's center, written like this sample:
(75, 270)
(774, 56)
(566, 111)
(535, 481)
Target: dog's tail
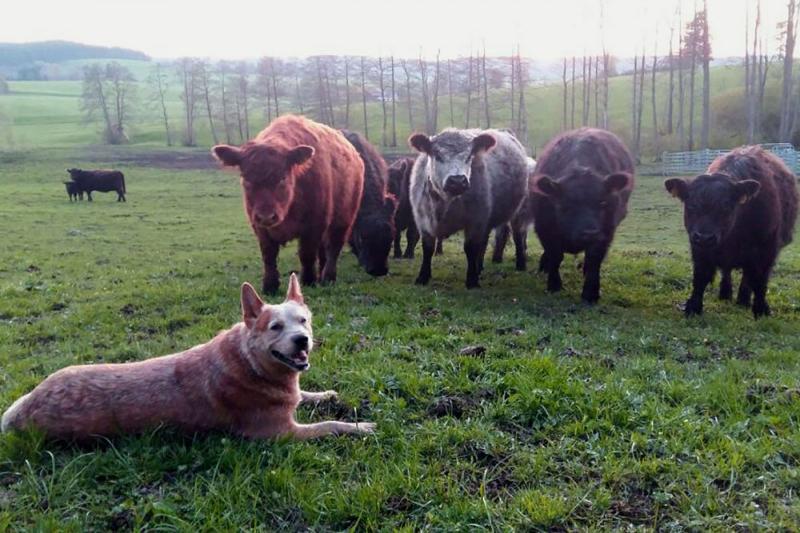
(9, 420)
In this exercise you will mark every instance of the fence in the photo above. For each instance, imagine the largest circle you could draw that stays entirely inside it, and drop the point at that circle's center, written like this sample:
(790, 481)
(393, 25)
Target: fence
(681, 163)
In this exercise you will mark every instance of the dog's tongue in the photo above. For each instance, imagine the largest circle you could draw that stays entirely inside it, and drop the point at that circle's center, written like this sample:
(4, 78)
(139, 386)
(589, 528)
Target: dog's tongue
(302, 355)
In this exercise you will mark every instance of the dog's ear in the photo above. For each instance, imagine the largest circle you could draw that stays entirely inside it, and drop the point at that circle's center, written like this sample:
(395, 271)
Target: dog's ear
(251, 305)
(293, 293)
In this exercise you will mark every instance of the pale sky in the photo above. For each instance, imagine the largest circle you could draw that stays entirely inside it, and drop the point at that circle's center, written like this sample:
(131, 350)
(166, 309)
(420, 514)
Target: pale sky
(249, 29)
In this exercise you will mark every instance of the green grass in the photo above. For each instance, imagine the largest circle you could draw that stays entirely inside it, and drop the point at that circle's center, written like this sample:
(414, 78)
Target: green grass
(47, 114)
(574, 417)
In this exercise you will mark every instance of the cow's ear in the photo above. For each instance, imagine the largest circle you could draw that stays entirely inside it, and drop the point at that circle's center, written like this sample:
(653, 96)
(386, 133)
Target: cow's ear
(293, 293)
(677, 187)
(482, 143)
(421, 143)
(547, 186)
(746, 190)
(230, 156)
(617, 181)
(390, 204)
(251, 305)
(299, 155)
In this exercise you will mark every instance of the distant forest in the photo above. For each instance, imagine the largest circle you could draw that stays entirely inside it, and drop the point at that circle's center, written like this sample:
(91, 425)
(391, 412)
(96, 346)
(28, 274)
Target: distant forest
(23, 60)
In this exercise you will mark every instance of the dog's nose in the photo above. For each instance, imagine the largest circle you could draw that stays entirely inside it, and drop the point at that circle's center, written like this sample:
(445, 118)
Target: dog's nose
(301, 341)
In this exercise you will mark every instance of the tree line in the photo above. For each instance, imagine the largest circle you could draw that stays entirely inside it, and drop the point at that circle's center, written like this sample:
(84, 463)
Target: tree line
(474, 91)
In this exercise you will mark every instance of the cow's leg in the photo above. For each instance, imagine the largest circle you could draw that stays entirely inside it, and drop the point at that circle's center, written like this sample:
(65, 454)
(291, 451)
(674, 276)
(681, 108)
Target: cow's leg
(412, 238)
(474, 248)
(726, 285)
(308, 252)
(520, 234)
(701, 277)
(439, 246)
(593, 259)
(543, 259)
(89, 195)
(757, 276)
(269, 256)
(321, 257)
(500, 240)
(744, 296)
(428, 246)
(552, 260)
(398, 250)
(333, 247)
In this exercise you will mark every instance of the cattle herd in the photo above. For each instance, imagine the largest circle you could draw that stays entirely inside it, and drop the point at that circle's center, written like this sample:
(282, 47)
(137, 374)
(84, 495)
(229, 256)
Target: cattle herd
(303, 180)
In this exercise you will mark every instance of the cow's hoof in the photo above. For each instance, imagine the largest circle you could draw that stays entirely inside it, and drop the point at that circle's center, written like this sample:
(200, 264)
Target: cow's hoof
(590, 299)
(693, 308)
(761, 310)
(422, 280)
(473, 284)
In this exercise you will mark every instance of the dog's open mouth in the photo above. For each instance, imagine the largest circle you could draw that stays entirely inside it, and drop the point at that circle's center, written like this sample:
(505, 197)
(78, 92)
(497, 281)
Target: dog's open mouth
(297, 362)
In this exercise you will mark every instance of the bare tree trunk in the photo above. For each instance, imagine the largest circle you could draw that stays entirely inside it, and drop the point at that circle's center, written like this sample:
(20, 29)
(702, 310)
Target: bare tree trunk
(786, 87)
(450, 92)
(671, 95)
(656, 140)
(633, 103)
(223, 87)
(364, 96)
(205, 80)
(521, 108)
(469, 92)
(322, 113)
(705, 127)
(513, 81)
(274, 85)
(298, 93)
(692, 71)
(435, 106)
(606, 68)
(408, 95)
(681, 85)
(423, 72)
(565, 90)
(597, 91)
(384, 136)
(394, 106)
(347, 92)
(572, 108)
(161, 90)
(584, 110)
(486, 91)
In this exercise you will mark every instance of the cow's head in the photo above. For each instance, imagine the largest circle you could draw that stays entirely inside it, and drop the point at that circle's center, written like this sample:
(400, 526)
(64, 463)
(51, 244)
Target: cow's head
(450, 157)
(373, 237)
(268, 176)
(398, 173)
(584, 202)
(710, 205)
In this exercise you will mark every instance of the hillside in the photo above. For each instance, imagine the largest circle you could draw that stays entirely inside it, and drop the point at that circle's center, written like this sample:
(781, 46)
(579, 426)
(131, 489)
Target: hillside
(29, 60)
(47, 113)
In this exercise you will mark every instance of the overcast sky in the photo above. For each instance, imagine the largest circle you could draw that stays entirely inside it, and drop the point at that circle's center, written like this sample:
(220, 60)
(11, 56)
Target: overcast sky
(248, 29)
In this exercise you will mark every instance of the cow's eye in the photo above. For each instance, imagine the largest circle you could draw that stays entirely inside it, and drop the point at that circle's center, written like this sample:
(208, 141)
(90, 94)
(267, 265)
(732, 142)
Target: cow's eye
(277, 326)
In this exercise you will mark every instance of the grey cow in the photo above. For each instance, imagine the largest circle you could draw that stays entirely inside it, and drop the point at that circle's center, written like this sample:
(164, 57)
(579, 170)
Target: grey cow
(473, 180)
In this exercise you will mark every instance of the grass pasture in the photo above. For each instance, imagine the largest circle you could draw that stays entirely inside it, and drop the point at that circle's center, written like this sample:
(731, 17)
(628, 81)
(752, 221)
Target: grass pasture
(573, 417)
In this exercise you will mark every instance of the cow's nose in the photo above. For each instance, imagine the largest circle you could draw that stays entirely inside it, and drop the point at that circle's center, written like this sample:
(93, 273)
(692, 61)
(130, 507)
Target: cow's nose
(266, 220)
(703, 239)
(301, 341)
(456, 184)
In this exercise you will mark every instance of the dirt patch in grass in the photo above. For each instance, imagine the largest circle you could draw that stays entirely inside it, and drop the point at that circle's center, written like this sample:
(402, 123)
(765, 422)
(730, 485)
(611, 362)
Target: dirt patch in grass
(189, 160)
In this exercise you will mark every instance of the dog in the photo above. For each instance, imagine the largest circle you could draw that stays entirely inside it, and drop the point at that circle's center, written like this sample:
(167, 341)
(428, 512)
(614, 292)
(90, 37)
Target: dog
(244, 381)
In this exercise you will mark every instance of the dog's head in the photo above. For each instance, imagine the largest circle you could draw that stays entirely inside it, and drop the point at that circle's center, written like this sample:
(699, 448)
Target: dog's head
(277, 334)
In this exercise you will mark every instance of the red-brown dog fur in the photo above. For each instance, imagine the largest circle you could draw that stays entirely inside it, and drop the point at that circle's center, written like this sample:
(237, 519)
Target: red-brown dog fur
(231, 383)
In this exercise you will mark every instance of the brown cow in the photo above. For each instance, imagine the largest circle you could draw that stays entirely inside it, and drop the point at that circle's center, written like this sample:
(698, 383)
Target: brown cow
(301, 180)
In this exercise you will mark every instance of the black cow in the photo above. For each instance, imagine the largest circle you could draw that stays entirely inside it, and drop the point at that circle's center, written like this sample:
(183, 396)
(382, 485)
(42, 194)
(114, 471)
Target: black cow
(73, 191)
(99, 180)
(739, 214)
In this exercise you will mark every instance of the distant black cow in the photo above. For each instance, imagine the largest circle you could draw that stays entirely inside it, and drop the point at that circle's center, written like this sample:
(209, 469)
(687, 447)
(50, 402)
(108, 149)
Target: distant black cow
(73, 191)
(399, 178)
(99, 180)
(373, 231)
(579, 196)
(738, 215)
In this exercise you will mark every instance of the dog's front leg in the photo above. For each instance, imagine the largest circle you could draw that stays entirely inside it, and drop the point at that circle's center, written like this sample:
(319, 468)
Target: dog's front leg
(331, 427)
(316, 397)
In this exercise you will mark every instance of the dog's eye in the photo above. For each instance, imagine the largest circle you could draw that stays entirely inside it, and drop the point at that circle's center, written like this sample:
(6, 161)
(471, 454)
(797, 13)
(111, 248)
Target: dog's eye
(276, 327)
(303, 320)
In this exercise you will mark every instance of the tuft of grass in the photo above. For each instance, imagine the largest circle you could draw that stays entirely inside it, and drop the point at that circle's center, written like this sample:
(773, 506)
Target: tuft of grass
(620, 415)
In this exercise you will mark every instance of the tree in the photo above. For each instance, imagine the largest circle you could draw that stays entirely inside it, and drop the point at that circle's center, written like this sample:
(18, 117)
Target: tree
(671, 94)
(382, 86)
(187, 74)
(158, 82)
(364, 94)
(408, 94)
(486, 91)
(706, 47)
(470, 79)
(223, 68)
(656, 144)
(789, 29)
(205, 82)
(109, 91)
(347, 92)
(564, 94)
(394, 103)
(572, 108)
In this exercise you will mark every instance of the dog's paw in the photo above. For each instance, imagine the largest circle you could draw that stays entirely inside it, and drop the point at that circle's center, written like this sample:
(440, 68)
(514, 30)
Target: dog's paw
(367, 428)
(329, 395)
